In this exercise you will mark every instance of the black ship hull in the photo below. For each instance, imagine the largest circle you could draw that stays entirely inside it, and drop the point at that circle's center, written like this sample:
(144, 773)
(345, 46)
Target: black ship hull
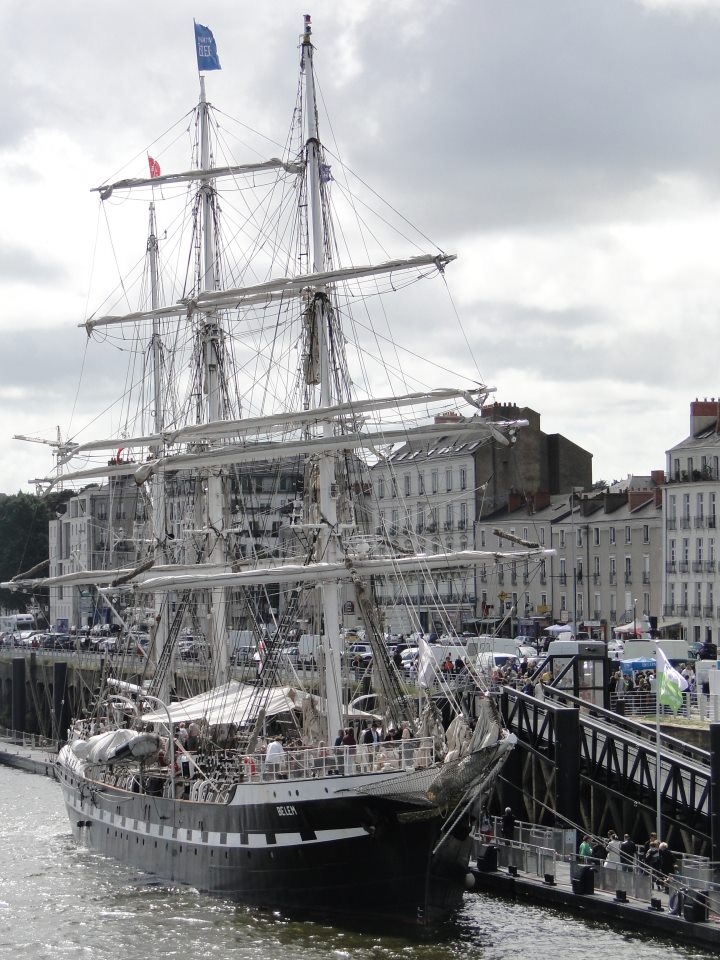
(302, 848)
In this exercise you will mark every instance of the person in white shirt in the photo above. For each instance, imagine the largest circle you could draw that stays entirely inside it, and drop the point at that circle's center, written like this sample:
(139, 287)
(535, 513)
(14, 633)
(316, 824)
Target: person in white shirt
(275, 756)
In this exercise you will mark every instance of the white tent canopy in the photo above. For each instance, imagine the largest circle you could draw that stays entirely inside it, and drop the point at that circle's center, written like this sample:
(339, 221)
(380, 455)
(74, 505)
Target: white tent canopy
(234, 702)
(638, 628)
(560, 628)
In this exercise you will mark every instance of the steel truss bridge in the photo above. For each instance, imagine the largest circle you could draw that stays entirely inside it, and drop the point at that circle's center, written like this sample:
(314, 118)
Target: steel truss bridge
(581, 765)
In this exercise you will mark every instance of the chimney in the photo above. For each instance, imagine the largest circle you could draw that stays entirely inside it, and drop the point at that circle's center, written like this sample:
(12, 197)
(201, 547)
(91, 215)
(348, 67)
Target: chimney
(658, 477)
(515, 500)
(703, 414)
(451, 416)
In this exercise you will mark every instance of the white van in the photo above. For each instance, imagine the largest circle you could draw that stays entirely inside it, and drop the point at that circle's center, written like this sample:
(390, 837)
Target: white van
(677, 651)
(488, 661)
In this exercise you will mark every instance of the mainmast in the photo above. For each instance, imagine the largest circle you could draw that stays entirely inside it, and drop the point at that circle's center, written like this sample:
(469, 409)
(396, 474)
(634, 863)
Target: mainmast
(328, 546)
(210, 338)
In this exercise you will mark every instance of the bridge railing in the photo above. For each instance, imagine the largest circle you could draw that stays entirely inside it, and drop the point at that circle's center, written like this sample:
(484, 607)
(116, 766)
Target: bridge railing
(694, 879)
(700, 706)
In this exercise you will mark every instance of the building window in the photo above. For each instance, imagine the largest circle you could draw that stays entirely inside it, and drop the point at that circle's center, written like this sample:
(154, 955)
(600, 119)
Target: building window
(646, 533)
(463, 478)
(579, 537)
(421, 483)
(407, 484)
(482, 538)
(393, 487)
(542, 536)
(434, 481)
(448, 480)
(596, 536)
(562, 538)
(381, 488)
(612, 534)
(628, 534)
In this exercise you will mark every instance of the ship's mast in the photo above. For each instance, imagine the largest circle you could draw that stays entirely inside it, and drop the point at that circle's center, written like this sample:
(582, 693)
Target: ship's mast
(158, 487)
(211, 335)
(328, 546)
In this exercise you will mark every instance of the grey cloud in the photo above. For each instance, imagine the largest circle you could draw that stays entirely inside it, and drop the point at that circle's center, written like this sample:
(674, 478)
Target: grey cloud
(19, 264)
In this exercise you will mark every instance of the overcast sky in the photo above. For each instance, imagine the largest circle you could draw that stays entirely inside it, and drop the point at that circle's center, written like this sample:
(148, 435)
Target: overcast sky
(567, 150)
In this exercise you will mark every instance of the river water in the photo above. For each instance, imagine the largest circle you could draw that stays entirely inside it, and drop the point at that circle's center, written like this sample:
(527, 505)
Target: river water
(57, 900)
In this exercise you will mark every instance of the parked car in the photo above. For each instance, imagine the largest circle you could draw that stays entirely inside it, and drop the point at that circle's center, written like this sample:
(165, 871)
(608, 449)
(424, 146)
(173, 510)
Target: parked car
(361, 652)
(193, 648)
(528, 651)
(105, 645)
(57, 641)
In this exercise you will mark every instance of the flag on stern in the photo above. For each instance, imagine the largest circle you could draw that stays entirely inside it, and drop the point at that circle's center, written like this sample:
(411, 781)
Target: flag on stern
(154, 167)
(207, 55)
(670, 683)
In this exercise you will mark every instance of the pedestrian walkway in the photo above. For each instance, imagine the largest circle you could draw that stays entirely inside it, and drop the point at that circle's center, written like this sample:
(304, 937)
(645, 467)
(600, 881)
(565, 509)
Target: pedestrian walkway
(524, 872)
(27, 752)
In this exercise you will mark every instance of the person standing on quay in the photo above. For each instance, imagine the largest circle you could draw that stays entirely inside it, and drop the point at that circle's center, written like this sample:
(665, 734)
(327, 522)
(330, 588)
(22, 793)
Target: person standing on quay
(628, 850)
(586, 851)
(508, 825)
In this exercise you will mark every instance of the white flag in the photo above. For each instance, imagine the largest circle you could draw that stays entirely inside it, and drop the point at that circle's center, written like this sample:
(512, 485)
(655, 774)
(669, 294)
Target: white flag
(426, 664)
(670, 683)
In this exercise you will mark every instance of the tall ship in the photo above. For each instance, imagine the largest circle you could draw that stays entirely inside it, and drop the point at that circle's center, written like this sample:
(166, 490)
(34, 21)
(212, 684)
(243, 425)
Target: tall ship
(262, 365)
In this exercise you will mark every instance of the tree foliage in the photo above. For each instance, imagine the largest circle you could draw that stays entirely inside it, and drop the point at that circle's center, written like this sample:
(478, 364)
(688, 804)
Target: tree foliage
(24, 522)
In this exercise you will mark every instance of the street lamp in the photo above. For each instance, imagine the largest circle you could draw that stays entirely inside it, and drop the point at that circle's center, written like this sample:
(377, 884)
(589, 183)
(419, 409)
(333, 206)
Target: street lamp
(634, 617)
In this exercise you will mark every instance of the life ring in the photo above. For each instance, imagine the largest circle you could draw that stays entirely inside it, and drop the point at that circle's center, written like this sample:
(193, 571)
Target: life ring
(249, 766)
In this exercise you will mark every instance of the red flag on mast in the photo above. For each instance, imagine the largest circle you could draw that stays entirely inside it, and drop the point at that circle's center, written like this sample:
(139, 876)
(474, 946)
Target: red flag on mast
(154, 167)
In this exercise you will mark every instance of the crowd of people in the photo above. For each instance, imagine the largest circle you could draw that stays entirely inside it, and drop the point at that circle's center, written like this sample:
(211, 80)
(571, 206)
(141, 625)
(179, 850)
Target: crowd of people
(368, 749)
(654, 856)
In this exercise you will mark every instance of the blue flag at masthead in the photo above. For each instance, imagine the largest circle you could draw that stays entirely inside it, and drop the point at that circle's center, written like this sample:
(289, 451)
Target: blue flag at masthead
(207, 55)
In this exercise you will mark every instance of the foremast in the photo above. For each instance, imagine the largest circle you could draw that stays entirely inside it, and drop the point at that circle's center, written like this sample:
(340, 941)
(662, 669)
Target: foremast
(158, 487)
(320, 345)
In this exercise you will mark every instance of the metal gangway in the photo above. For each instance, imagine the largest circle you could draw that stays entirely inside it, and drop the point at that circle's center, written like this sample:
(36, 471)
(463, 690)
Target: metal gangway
(618, 767)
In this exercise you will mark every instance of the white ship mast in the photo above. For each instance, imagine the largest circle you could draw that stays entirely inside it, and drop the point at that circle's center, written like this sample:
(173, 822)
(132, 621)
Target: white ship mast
(211, 340)
(328, 546)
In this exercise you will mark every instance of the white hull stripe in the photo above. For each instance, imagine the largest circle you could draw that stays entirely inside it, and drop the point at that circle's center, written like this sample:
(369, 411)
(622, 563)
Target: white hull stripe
(86, 811)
